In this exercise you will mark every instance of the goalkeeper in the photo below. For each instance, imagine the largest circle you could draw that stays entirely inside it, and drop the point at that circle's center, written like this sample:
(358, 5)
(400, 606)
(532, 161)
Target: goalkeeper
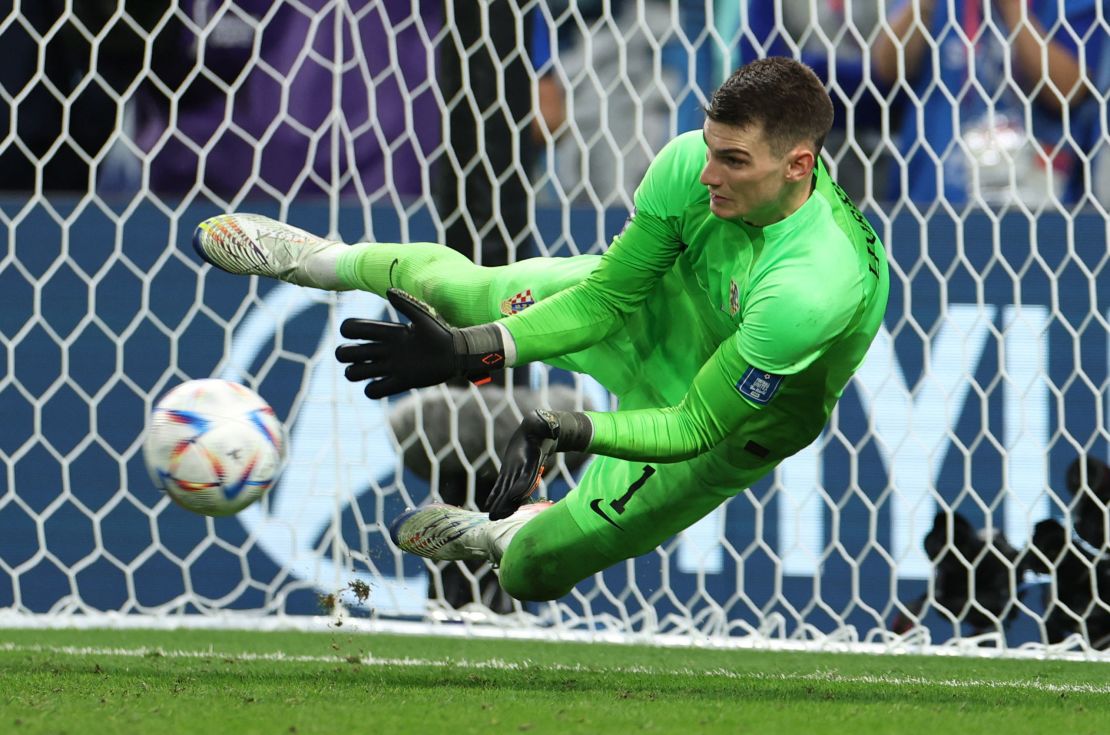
(727, 316)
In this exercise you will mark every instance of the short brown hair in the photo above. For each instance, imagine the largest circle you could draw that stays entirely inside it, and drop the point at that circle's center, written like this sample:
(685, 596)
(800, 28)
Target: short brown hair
(782, 95)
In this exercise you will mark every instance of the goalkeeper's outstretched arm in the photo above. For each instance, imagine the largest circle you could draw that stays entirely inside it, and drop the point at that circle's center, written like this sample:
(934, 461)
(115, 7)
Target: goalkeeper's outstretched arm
(396, 358)
(587, 313)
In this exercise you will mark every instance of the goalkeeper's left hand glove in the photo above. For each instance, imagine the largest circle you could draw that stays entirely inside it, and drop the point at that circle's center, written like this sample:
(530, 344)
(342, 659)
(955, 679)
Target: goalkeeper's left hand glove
(540, 434)
(400, 357)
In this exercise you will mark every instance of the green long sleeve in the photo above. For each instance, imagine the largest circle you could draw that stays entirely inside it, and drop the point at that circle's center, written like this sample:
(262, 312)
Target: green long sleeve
(712, 410)
(588, 312)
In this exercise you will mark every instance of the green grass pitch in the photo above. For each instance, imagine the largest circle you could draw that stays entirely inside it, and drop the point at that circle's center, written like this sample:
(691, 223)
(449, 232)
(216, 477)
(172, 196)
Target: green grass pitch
(213, 682)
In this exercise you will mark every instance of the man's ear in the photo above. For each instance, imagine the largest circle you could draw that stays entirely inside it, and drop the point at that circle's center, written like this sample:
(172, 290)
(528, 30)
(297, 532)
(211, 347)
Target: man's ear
(800, 163)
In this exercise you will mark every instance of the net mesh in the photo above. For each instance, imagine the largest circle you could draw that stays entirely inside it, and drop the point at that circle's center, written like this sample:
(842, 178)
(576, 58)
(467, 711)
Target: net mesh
(958, 494)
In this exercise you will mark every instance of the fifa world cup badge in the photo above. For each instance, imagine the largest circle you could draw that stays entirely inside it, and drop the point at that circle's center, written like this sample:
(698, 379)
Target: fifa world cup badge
(759, 386)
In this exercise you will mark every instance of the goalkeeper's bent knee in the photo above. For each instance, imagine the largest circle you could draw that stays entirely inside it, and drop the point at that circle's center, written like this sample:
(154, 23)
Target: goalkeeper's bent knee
(548, 556)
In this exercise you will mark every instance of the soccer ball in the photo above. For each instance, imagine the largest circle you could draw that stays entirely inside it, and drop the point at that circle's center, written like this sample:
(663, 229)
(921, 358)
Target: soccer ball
(214, 446)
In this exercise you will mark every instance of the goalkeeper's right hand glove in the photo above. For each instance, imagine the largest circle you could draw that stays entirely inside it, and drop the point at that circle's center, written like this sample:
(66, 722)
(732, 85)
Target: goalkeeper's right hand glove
(399, 357)
(540, 434)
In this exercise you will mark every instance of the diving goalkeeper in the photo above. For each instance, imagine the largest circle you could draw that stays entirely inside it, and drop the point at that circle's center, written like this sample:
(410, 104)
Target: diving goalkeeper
(727, 317)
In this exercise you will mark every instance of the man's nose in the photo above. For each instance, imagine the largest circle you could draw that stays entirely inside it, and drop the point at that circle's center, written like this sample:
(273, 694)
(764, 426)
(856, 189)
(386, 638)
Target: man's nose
(709, 176)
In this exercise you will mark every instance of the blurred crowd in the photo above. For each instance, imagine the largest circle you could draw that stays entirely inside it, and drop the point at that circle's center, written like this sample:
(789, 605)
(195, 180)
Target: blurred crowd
(967, 102)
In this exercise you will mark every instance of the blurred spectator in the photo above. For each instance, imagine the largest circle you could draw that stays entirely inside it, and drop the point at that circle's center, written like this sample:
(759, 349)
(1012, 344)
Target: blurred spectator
(481, 189)
(65, 113)
(831, 37)
(551, 111)
(617, 96)
(244, 98)
(970, 138)
(1101, 130)
(483, 198)
(1102, 172)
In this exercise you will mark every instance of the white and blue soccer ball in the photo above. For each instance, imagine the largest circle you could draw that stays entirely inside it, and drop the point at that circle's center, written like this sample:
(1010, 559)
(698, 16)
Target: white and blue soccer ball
(214, 446)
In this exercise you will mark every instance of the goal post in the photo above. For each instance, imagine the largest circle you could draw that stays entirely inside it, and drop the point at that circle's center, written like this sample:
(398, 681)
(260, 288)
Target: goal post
(957, 496)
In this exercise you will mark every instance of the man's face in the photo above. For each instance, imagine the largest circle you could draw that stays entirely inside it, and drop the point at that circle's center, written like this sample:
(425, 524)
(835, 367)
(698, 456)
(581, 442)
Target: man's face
(745, 178)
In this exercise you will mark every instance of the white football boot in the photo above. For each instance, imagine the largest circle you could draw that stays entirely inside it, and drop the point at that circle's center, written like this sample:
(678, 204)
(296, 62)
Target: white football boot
(446, 533)
(254, 245)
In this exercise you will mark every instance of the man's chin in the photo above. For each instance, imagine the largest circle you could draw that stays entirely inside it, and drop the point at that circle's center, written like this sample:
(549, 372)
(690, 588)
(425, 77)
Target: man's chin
(725, 210)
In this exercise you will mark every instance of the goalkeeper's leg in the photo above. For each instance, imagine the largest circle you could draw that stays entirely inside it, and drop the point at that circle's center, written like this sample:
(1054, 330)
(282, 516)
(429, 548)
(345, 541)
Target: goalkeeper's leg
(618, 511)
(463, 293)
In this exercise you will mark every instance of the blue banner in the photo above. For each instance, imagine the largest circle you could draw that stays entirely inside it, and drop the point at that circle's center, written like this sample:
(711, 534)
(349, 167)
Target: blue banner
(987, 381)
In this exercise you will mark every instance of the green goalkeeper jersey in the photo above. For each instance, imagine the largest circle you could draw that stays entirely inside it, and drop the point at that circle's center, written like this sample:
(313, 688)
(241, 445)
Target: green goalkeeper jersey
(713, 332)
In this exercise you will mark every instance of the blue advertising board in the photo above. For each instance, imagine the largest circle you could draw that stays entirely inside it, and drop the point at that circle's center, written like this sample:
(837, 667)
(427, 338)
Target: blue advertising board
(986, 382)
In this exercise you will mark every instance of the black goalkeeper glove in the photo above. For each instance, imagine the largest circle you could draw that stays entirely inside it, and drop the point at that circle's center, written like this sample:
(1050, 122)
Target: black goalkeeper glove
(540, 434)
(399, 357)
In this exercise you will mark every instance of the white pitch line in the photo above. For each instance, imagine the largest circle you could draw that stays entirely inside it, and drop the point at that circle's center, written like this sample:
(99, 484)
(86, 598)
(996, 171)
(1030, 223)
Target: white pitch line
(496, 664)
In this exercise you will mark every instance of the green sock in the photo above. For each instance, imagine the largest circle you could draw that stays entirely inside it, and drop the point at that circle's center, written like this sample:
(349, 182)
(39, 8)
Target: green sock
(437, 275)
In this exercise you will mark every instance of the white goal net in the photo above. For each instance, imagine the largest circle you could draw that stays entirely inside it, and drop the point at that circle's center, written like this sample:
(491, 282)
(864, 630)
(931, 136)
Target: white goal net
(957, 496)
